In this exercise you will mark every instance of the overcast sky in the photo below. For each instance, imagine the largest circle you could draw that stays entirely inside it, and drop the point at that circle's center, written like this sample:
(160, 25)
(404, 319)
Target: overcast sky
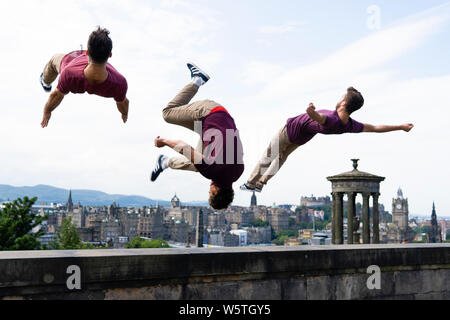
(267, 59)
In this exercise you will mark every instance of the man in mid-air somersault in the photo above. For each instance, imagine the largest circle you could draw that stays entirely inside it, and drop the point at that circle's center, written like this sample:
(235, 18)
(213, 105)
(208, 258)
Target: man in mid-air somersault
(85, 71)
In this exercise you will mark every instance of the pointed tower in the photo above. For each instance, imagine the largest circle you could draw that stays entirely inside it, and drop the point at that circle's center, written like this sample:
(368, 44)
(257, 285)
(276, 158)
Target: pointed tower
(400, 210)
(69, 204)
(175, 202)
(435, 234)
(253, 202)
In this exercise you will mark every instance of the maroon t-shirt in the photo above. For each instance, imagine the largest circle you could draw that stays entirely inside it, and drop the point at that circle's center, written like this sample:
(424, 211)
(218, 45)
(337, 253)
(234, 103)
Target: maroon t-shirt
(301, 129)
(72, 79)
(223, 153)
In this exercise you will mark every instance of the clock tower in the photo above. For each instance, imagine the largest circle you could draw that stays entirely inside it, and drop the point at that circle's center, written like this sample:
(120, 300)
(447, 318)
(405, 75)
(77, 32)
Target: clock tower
(400, 210)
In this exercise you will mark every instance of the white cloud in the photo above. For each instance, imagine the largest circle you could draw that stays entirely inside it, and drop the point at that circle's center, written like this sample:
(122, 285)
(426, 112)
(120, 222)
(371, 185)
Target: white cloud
(286, 27)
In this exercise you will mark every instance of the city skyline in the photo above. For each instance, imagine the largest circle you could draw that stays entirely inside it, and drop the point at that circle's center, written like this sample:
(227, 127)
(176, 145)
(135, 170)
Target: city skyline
(187, 202)
(266, 61)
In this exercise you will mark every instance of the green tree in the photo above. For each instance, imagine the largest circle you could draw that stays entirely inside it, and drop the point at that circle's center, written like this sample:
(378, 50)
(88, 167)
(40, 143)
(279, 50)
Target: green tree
(260, 223)
(280, 241)
(17, 223)
(67, 238)
(281, 235)
(138, 242)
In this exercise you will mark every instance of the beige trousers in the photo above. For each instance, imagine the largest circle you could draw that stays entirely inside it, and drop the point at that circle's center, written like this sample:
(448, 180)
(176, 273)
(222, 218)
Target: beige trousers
(180, 112)
(272, 160)
(52, 68)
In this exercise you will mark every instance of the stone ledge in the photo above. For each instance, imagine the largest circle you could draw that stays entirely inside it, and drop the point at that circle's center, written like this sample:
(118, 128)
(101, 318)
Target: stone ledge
(306, 272)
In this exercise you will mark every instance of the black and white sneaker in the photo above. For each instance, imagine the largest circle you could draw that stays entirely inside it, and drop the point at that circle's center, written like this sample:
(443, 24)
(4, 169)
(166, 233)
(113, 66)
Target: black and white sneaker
(46, 87)
(161, 165)
(246, 187)
(197, 72)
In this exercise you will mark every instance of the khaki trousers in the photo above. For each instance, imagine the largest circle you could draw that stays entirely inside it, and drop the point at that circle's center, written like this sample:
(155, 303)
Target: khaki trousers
(180, 112)
(52, 68)
(272, 160)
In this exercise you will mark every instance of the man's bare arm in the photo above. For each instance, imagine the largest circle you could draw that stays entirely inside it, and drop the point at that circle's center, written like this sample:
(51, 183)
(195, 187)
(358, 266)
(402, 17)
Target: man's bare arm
(181, 147)
(123, 109)
(54, 100)
(383, 128)
(313, 114)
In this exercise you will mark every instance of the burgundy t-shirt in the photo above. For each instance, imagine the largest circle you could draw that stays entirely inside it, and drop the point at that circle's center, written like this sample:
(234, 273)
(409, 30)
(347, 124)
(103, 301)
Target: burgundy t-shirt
(301, 129)
(223, 153)
(72, 79)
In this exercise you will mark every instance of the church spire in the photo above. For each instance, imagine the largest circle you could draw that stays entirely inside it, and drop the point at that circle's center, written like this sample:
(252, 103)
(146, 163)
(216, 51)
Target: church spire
(434, 232)
(433, 213)
(400, 193)
(69, 202)
(253, 202)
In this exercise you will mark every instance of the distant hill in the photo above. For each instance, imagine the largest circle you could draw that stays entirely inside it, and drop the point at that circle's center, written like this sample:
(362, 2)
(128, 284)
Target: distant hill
(51, 194)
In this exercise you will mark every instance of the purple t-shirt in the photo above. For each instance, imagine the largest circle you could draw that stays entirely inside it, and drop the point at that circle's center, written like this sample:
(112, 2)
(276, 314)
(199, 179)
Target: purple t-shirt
(72, 78)
(301, 129)
(223, 153)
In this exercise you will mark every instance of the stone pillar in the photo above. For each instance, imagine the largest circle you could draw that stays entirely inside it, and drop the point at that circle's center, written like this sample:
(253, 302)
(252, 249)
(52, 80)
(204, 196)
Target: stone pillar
(376, 219)
(333, 218)
(339, 218)
(351, 208)
(366, 218)
(199, 229)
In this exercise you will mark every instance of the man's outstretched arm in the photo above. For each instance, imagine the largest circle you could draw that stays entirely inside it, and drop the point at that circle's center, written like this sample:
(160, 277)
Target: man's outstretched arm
(181, 147)
(382, 128)
(313, 114)
(53, 102)
(123, 109)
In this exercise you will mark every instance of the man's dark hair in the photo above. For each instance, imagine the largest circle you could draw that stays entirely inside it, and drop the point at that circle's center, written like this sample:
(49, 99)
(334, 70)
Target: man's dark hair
(99, 45)
(222, 199)
(354, 100)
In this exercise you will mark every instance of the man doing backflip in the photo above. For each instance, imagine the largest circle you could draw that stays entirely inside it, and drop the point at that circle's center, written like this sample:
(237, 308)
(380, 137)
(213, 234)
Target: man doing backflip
(85, 71)
(218, 156)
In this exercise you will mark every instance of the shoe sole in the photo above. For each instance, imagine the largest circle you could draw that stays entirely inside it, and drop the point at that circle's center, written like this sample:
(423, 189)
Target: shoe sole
(247, 189)
(199, 69)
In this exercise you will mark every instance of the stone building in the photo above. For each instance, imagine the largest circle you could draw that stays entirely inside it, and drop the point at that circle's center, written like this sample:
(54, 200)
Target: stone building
(240, 217)
(78, 216)
(222, 238)
(110, 231)
(216, 220)
(315, 201)
(151, 225)
(177, 231)
(279, 221)
(129, 224)
(258, 235)
(399, 231)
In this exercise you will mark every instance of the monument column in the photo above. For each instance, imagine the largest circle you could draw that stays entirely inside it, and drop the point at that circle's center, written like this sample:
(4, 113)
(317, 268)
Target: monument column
(333, 218)
(366, 218)
(199, 229)
(376, 219)
(350, 215)
(339, 218)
